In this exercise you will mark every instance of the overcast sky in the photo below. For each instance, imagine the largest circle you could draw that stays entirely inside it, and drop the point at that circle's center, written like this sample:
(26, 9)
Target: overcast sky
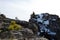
(23, 8)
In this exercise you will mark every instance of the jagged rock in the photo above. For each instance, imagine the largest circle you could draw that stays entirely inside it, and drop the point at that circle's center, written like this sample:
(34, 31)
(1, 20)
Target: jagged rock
(45, 24)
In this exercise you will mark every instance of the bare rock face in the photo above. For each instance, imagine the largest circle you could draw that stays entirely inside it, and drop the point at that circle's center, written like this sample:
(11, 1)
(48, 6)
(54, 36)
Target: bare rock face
(48, 25)
(44, 24)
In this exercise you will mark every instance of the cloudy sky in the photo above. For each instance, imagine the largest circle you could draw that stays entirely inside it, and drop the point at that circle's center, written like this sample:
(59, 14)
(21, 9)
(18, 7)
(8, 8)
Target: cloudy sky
(23, 8)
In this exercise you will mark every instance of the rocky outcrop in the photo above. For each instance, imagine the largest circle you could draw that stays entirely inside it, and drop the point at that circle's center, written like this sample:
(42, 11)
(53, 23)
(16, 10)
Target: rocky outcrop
(44, 24)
